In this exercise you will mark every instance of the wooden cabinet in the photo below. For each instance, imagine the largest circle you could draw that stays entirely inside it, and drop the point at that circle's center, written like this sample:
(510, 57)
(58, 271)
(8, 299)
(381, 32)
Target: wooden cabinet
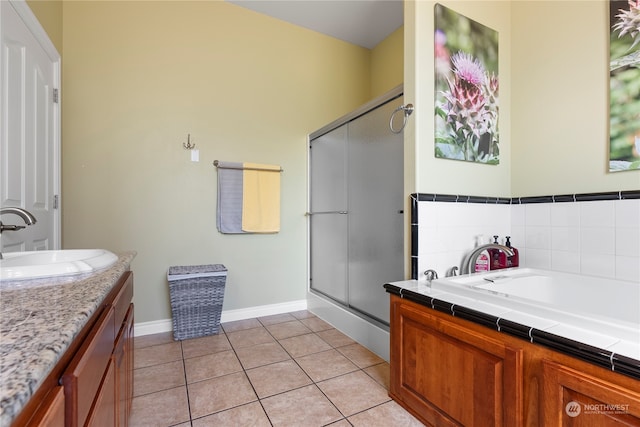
(577, 399)
(51, 412)
(449, 371)
(92, 384)
(451, 376)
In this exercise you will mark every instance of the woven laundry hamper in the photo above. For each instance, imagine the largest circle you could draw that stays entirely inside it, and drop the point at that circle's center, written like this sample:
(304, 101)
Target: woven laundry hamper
(197, 294)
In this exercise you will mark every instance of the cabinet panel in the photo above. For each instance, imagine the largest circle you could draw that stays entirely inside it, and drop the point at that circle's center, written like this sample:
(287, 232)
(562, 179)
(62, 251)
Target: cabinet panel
(123, 354)
(86, 370)
(448, 375)
(122, 301)
(103, 413)
(51, 412)
(576, 399)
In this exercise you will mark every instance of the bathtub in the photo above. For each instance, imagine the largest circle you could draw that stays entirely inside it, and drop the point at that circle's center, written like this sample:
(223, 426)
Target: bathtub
(606, 306)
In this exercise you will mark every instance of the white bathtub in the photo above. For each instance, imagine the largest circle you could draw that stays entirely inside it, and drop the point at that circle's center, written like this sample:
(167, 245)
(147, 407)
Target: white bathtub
(610, 307)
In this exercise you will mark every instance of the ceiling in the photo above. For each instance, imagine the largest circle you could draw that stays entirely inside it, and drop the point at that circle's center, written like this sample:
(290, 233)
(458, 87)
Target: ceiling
(361, 22)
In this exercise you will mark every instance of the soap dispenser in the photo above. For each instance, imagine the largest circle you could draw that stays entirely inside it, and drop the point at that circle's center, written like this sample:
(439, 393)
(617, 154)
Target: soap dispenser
(483, 261)
(498, 258)
(514, 260)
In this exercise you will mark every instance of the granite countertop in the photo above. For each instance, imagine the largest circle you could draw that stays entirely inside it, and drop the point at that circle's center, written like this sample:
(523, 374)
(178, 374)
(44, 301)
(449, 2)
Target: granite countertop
(604, 350)
(38, 321)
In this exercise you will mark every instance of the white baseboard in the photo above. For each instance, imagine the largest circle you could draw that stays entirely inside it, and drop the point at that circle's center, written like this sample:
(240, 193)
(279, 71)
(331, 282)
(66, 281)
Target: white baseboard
(166, 325)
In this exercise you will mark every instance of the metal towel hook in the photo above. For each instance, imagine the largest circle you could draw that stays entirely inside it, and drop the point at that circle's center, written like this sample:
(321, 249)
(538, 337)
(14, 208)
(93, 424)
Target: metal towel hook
(407, 109)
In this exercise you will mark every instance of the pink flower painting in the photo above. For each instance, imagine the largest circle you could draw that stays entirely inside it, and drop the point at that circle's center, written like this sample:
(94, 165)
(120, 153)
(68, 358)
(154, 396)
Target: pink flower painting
(466, 74)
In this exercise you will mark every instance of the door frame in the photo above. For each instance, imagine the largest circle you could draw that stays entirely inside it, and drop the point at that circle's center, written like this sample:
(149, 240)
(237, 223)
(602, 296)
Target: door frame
(31, 21)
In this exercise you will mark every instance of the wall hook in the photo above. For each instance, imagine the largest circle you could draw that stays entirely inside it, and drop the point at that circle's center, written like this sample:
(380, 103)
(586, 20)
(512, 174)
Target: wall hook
(188, 145)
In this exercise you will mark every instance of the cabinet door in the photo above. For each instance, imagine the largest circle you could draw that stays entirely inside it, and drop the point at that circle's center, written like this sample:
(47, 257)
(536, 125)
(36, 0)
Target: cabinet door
(103, 413)
(84, 374)
(450, 375)
(577, 399)
(123, 354)
(51, 413)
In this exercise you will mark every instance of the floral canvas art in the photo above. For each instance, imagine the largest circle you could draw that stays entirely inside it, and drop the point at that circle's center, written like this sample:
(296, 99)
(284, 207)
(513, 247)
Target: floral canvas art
(466, 89)
(624, 85)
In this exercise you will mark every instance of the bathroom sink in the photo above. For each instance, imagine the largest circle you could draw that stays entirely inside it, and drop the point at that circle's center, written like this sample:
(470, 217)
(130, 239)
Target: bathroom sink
(42, 264)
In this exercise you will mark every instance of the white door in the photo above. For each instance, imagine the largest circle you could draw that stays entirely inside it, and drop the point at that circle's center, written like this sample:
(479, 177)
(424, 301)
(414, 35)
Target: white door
(29, 129)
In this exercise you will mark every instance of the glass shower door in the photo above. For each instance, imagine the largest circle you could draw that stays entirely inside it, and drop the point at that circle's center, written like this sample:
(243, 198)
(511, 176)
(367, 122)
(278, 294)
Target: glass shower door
(328, 206)
(375, 203)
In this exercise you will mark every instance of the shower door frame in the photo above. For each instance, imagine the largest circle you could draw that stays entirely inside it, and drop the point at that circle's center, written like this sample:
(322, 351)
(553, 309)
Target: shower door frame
(393, 94)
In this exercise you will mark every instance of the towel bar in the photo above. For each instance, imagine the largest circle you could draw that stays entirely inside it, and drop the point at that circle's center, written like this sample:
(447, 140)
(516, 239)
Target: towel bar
(216, 163)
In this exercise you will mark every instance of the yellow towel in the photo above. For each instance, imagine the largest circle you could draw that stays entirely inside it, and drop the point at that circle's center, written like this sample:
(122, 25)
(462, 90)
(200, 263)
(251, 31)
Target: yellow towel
(261, 198)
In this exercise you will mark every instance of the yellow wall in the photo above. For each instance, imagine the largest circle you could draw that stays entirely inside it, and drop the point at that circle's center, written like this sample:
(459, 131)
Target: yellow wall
(434, 175)
(49, 14)
(139, 77)
(387, 63)
(560, 119)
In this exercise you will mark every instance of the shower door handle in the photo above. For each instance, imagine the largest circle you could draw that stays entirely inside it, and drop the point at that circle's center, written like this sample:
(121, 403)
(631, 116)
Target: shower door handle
(327, 212)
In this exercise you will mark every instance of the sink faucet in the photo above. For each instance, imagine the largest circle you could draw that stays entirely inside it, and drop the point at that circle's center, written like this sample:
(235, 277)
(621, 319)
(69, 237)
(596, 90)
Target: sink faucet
(26, 216)
(468, 265)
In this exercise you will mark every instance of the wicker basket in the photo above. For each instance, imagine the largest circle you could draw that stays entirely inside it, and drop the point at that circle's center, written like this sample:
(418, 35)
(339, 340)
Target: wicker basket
(197, 294)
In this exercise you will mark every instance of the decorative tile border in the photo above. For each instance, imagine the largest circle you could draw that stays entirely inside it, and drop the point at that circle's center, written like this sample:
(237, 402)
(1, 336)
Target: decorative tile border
(453, 198)
(597, 356)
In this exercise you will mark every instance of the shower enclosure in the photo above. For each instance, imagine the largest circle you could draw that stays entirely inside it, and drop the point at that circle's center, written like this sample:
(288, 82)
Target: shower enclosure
(356, 209)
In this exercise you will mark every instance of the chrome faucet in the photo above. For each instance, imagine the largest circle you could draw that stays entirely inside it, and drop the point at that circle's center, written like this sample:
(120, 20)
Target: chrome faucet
(26, 216)
(468, 264)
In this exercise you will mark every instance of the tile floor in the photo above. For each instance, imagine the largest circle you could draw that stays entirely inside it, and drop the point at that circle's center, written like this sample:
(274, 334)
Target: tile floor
(290, 369)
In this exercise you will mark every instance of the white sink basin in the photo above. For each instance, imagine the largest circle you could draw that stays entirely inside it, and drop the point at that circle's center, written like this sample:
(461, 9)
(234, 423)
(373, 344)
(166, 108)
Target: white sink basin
(42, 264)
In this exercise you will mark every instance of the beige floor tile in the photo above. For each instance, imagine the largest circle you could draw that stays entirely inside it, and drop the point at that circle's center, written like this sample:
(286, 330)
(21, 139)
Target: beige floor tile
(325, 365)
(211, 366)
(158, 377)
(302, 314)
(360, 355)
(157, 354)
(341, 423)
(304, 344)
(304, 407)
(241, 325)
(354, 392)
(335, 338)
(276, 318)
(277, 378)
(220, 393)
(155, 339)
(381, 373)
(205, 345)
(387, 414)
(249, 337)
(250, 414)
(316, 324)
(164, 408)
(287, 329)
(261, 354)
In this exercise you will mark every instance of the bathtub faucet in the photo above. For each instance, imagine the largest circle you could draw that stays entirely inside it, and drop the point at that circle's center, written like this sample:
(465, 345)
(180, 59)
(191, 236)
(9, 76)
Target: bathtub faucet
(468, 264)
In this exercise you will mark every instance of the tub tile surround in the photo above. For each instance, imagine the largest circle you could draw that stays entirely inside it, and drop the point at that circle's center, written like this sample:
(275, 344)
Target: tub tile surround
(595, 234)
(610, 353)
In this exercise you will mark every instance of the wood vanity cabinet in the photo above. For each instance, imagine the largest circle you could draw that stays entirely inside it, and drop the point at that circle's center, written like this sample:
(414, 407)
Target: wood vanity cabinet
(449, 371)
(92, 385)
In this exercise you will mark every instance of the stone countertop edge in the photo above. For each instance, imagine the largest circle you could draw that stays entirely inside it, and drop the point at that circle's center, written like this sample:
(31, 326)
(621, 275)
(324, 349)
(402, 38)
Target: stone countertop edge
(38, 322)
(582, 350)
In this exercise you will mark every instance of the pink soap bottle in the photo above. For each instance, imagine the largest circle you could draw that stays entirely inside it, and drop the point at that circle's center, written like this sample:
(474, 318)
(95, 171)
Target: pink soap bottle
(483, 261)
(512, 261)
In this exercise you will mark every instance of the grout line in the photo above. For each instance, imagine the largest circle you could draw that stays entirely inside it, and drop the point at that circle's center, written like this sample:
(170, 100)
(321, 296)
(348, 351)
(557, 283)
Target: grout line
(186, 384)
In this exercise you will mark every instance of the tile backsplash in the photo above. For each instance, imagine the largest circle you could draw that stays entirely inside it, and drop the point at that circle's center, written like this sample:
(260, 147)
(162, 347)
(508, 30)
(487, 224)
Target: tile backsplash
(591, 234)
